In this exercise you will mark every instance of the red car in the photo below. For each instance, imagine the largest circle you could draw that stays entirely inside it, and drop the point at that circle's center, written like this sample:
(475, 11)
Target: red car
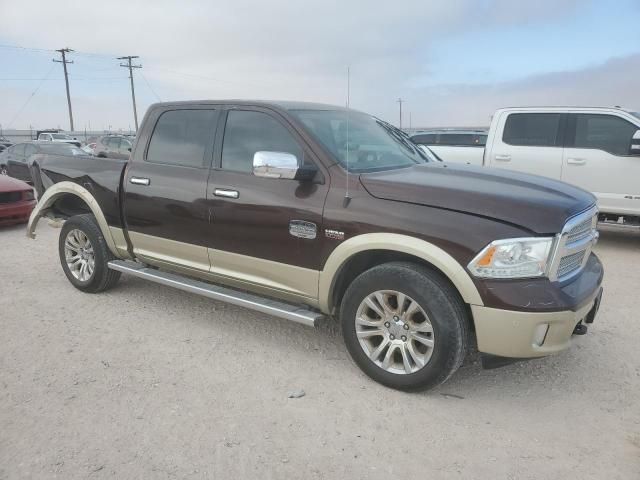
(16, 201)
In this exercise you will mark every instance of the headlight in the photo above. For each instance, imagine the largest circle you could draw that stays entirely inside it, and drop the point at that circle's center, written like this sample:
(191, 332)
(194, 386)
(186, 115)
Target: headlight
(513, 258)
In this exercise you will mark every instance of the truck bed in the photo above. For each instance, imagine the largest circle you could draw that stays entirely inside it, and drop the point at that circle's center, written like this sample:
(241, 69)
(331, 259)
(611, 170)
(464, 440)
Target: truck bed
(101, 176)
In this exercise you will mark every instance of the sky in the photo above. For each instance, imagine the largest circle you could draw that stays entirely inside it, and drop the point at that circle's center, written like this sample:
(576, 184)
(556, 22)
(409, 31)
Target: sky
(452, 62)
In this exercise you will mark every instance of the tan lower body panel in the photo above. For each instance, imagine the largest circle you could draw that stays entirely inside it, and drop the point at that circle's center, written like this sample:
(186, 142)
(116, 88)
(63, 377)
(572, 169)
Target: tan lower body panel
(274, 275)
(149, 247)
(511, 334)
(266, 277)
(120, 242)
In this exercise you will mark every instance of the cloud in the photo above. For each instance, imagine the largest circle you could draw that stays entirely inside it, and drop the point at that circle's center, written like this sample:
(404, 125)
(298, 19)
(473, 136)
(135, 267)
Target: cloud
(277, 49)
(610, 83)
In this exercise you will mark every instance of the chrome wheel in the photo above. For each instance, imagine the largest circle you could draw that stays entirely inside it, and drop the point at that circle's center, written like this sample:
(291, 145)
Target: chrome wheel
(394, 331)
(3, 170)
(79, 255)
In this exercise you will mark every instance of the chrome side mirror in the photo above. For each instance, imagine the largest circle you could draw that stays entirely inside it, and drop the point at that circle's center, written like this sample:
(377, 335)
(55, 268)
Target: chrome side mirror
(634, 149)
(275, 165)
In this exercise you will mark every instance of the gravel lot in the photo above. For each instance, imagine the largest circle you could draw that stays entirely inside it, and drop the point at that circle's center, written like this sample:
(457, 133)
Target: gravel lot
(148, 382)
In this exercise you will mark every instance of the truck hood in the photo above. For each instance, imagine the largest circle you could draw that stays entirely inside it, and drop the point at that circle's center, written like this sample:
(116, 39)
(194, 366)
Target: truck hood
(539, 204)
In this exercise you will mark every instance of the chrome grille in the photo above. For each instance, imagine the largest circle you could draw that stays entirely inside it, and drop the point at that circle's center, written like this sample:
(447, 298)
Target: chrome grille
(569, 263)
(580, 231)
(574, 244)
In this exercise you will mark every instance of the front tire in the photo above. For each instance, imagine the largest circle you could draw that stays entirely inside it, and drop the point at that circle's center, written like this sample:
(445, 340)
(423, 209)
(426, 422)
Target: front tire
(84, 255)
(405, 326)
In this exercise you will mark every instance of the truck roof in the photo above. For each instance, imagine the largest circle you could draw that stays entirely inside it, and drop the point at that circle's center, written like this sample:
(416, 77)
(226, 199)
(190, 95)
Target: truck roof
(280, 104)
(572, 107)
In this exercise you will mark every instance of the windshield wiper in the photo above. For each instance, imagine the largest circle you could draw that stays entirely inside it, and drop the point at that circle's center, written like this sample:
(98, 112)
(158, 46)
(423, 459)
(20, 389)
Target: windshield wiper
(401, 137)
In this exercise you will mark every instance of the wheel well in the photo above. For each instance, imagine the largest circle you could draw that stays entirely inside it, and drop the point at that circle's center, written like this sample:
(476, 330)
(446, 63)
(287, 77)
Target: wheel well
(362, 261)
(68, 205)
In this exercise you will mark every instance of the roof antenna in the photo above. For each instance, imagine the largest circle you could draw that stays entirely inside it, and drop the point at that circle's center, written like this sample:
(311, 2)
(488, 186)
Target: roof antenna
(347, 198)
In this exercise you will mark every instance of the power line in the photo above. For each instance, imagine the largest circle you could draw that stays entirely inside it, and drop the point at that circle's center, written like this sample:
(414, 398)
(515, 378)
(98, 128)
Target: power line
(30, 97)
(64, 62)
(150, 88)
(133, 92)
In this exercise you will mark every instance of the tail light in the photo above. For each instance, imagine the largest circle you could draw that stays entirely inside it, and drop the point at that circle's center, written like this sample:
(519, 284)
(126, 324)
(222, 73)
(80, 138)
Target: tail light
(28, 195)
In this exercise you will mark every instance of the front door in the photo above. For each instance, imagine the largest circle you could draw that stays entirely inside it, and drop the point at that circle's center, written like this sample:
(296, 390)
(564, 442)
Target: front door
(264, 231)
(165, 205)
(598, 157)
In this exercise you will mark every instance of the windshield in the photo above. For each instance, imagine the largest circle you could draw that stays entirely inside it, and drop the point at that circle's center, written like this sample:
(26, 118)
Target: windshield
(361, 141)
(61, 136)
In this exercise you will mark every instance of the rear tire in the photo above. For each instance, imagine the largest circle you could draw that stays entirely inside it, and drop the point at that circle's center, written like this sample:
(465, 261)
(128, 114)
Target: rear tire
(405, 326)
(84, 255)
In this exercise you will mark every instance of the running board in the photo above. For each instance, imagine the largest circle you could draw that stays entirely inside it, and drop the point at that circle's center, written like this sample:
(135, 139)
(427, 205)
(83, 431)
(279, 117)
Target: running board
(251, 301)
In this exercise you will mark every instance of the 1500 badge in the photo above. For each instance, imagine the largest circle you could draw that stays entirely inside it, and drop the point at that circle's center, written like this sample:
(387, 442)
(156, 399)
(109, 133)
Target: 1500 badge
(333, 234)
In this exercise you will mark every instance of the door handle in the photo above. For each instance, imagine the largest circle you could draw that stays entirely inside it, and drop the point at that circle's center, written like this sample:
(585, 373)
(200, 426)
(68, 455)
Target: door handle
(223, 192)
(503, 158)
(140, 181)
(576, 161)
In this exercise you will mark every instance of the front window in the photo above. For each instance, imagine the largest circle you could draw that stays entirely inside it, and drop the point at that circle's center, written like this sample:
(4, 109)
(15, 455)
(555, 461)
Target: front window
(360, 141)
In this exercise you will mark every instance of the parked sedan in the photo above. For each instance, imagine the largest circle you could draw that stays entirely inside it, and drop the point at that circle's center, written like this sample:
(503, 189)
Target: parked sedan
(16, 201)
(113, 146)
(13, 161)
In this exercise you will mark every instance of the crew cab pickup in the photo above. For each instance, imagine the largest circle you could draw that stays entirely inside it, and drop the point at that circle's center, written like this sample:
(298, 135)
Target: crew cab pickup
(306, 211)
(596, 148)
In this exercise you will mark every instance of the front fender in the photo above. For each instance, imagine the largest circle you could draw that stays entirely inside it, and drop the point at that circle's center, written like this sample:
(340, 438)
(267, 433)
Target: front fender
(399, 243)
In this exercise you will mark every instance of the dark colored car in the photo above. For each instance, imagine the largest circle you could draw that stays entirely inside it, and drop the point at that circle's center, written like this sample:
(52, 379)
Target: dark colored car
(113, 146)
(305, 211)
(14, 160)
(16, 201)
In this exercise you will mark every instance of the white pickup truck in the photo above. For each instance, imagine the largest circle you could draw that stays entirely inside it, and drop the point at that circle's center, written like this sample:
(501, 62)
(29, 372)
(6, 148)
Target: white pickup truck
(595, 148)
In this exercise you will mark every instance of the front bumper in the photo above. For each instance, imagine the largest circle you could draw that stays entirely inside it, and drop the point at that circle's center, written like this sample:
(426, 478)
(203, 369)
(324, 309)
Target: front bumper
(526, 333)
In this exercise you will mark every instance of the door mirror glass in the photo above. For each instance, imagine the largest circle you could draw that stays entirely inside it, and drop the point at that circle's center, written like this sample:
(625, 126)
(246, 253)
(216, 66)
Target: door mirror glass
(275, 165)
(635, 144)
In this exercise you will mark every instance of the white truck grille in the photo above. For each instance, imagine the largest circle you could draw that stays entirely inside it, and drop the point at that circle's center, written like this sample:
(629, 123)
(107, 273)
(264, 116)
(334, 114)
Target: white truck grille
(573, 245)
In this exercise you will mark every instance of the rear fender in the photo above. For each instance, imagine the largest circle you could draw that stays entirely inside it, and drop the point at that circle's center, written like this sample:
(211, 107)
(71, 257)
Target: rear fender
(58, 190)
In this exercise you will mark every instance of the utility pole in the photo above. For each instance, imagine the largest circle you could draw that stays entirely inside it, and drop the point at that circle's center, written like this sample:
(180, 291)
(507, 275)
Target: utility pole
(64, 61)
(133, 92)
(400, 103)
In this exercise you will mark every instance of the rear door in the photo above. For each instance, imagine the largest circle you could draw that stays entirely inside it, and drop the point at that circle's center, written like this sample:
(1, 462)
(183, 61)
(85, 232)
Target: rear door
(265, 232)
(598, 157)
(529, 142)
(165, 184)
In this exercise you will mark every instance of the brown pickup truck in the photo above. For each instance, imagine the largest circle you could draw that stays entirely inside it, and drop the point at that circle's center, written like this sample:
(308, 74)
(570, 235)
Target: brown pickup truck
(306, 211)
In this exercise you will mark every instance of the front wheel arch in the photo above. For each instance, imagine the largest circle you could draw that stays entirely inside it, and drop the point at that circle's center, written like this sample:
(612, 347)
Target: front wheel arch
(380, 247)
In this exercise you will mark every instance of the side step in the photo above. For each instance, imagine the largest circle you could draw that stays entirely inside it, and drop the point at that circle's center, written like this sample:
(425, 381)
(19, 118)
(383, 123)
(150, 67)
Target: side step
(251, 301)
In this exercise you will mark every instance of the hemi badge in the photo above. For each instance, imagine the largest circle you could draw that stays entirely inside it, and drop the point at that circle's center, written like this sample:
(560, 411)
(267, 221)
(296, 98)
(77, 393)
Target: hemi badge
(334, 234)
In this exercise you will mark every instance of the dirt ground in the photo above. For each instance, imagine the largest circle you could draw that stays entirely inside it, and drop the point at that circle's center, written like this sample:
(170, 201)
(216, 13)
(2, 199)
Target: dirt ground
(148, 382)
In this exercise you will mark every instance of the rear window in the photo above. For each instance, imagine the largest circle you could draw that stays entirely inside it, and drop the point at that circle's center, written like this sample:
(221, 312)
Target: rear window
(532, 129)
(181, 137)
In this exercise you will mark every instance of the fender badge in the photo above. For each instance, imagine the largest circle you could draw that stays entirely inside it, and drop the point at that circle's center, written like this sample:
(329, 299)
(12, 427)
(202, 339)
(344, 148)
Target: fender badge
(334, 234)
